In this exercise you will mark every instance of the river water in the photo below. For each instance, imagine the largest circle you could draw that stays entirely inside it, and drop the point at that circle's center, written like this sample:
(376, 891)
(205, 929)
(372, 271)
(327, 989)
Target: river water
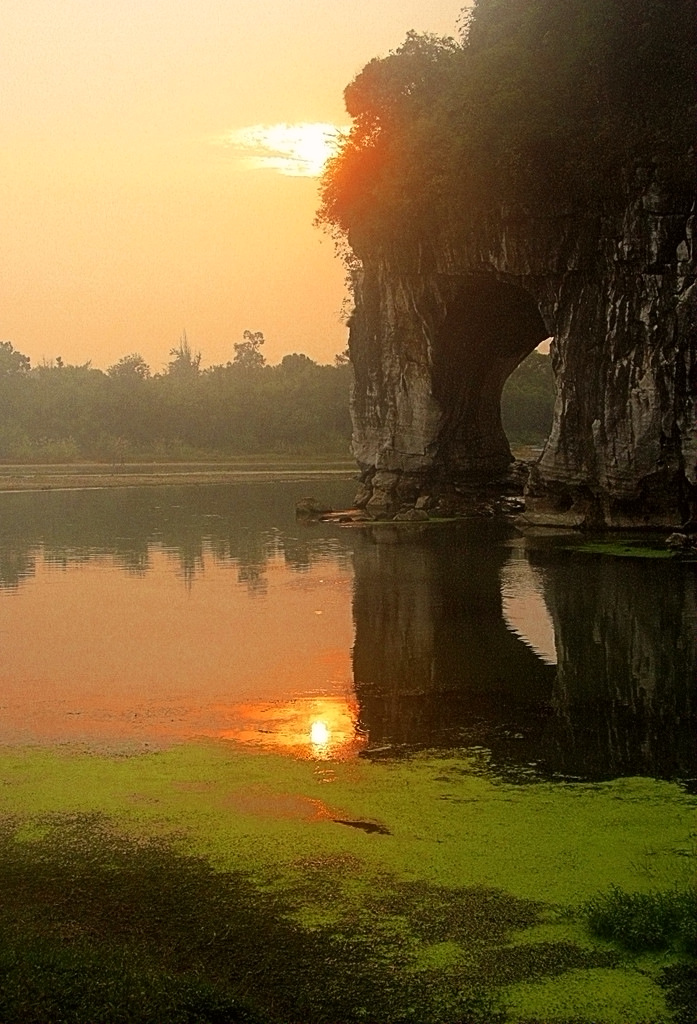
(135, 618)
(342, 774)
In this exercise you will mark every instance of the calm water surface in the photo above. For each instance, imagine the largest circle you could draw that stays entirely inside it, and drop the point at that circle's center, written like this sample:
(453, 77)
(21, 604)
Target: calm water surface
(139, 617)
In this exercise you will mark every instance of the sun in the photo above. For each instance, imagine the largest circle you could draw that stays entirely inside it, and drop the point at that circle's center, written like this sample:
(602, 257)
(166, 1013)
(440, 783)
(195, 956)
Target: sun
(299, 150)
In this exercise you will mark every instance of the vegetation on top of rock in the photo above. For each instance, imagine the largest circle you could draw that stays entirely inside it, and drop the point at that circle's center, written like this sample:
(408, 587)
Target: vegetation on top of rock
(544, 104)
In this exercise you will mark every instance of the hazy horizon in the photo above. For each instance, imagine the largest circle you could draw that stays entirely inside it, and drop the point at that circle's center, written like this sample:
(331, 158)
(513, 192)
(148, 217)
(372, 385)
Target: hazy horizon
(136, 206)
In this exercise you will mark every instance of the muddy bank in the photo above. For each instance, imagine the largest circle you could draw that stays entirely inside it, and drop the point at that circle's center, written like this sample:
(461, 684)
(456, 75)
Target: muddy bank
(76, 476)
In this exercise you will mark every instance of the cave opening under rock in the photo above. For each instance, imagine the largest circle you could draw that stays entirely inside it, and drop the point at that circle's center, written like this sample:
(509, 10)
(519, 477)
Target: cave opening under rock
(490, 327)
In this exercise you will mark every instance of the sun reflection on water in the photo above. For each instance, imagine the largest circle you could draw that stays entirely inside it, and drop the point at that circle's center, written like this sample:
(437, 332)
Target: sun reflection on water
(319, 734)
(319, 728)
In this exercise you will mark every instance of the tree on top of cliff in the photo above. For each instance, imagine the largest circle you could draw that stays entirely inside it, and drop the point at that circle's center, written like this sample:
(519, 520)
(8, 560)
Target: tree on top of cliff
(542, 103)
(390, 102)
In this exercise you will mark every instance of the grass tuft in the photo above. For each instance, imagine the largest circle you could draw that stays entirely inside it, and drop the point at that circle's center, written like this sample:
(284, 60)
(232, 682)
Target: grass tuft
(645, 921)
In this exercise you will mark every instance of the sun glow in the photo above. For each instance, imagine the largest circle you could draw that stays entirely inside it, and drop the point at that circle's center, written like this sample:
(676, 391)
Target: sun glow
(299, 150)
(319, 734)
(319, 728)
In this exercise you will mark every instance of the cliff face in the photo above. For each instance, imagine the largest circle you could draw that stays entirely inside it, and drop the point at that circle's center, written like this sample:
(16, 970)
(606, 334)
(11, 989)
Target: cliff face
(440, 324)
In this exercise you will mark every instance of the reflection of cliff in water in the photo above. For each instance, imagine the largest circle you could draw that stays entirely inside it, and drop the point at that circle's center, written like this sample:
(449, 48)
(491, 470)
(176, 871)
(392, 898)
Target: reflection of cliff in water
(247, 524)
(434, 662)
(436, 665)
(624, 697)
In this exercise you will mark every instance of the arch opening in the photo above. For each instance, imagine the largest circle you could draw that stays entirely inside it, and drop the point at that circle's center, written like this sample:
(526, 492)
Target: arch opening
(490, 327)
(527, 403)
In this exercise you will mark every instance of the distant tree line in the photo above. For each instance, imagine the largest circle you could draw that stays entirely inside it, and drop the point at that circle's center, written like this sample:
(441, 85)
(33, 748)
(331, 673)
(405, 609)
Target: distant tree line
(58, 412)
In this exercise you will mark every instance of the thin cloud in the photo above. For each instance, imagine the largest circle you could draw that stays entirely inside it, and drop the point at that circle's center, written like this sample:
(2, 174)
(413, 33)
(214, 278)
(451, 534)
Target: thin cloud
(298, 150)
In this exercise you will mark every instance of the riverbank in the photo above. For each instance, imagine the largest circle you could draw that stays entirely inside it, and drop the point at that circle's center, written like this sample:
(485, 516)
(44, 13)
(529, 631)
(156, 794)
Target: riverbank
(79, 475)
(150, 474)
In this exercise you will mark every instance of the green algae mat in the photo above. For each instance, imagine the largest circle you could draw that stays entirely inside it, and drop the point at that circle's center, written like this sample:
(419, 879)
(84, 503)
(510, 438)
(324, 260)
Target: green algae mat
(625, 550)
(206, 883)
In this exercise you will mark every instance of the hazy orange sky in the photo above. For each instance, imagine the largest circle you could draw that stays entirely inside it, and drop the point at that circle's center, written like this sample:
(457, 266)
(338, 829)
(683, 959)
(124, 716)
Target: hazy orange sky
(126, 218)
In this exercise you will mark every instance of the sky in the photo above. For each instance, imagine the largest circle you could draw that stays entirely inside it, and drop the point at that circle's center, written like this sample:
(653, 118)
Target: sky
(135, 206)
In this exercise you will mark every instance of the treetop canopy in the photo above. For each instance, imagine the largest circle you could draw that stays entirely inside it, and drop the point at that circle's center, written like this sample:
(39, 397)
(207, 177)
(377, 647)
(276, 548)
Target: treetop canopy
(540, 102)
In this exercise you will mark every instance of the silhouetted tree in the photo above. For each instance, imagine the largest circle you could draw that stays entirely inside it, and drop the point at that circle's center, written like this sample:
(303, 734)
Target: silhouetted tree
(247, 354)
(132, 366)
(61, 413)
(12, 361)
(184, 363)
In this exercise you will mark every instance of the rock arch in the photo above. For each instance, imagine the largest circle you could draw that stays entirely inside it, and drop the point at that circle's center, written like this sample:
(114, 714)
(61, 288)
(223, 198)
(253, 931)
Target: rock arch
(440, 322)
(490, 326)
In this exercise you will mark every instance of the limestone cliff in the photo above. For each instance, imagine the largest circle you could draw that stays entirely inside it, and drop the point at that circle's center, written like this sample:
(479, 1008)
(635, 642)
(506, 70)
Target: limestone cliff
(440, 324)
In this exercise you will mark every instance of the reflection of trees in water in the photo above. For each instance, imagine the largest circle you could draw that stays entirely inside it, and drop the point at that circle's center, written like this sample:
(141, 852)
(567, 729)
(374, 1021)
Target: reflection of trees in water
(435, 664)
(245, 525)
(17, 564)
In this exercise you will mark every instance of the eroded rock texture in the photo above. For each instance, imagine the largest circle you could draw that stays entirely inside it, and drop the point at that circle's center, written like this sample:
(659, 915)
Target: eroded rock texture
(439, 326)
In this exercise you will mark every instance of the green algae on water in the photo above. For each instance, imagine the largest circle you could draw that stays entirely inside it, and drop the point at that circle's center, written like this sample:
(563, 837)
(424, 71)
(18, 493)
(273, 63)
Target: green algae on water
(472, 881)
(559, 842)
(617, 549)
(617, 996)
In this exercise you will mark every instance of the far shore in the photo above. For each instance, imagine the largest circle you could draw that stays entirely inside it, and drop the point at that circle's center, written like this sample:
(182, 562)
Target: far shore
(86, 475)
(76, 476)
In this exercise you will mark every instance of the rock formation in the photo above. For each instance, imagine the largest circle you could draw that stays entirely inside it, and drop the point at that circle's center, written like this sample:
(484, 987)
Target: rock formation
(439, 326)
